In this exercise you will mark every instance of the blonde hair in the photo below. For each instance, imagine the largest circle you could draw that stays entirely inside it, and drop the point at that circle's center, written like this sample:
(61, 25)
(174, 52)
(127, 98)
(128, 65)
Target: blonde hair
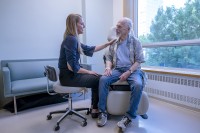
(71, 28)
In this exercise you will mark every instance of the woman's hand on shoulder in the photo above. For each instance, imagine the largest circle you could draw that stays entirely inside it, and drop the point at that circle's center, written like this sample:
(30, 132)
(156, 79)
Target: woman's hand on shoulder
(112, 42)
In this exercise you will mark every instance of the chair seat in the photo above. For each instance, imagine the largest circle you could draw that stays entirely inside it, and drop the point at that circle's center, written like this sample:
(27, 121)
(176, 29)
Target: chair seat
(119, 98)
(57, 87)
(120, 86)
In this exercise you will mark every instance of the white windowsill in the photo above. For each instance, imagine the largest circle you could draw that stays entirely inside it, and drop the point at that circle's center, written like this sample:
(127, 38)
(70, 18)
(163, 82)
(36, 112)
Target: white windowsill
(174, 71)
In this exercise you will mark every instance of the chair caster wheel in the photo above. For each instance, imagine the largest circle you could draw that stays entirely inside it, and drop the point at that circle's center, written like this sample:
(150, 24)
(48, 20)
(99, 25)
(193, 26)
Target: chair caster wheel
(49, 117)
(84, 123)
(57, 128)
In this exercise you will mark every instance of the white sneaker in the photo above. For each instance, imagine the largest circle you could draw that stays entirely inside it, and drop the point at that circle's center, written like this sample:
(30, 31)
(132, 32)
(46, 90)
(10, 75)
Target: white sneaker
(102, 119)
(124, 123)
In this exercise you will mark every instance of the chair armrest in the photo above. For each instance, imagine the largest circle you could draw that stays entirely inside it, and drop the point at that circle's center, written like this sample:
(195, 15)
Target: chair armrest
(6, 81)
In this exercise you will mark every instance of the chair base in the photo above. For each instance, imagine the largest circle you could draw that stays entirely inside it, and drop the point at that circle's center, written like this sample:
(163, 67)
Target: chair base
(69, 111)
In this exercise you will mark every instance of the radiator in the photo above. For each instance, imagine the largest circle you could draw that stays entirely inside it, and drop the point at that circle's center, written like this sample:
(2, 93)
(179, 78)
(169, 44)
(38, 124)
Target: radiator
(180, 90)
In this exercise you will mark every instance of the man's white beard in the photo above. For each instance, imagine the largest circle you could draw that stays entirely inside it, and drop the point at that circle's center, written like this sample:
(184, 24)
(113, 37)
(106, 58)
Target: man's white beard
(112, 34)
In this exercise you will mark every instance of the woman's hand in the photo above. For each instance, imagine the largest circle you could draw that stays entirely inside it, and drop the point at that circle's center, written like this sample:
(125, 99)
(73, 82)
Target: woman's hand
(100, 47)
(112, 42)
(82, 70)
(93, 73)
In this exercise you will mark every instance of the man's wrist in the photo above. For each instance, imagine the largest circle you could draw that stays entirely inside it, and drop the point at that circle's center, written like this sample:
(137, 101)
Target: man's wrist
(107, 68)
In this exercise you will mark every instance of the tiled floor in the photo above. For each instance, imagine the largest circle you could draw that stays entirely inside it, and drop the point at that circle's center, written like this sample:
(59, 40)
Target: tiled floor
(163, 118)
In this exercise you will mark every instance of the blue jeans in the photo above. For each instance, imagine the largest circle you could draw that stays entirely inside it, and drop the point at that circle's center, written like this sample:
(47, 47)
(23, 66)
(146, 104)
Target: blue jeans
(136, 87)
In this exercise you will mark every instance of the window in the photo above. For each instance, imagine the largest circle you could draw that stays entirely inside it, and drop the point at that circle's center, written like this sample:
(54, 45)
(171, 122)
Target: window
(173, 56)
(163, 22)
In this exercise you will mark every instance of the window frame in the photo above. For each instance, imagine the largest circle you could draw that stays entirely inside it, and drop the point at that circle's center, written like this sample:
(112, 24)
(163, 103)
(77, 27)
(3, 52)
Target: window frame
(193, 42)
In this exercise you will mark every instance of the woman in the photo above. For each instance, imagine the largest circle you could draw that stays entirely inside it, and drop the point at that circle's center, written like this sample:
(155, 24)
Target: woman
(71, 72)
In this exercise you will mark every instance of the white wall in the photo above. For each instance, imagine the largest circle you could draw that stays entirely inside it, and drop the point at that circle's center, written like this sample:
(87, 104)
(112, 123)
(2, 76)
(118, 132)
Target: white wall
(117, 10)
(100, 17)
(34, 29)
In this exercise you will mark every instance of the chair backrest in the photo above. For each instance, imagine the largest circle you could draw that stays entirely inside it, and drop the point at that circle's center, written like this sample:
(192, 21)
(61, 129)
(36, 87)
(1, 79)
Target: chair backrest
(50, 72)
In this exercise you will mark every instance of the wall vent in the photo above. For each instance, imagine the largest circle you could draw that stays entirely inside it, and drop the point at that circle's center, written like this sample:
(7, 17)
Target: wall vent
(175, 80)
(158, 80)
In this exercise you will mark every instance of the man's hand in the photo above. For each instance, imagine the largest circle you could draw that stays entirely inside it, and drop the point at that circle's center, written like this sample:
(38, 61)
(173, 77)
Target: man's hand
(124, 76)
(107, 72)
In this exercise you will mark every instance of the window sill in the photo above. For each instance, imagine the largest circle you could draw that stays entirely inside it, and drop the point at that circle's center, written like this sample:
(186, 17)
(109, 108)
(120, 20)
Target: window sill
(174, 71)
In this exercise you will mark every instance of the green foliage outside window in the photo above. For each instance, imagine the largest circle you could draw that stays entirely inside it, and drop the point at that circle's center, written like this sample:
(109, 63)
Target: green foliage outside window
(172, 25)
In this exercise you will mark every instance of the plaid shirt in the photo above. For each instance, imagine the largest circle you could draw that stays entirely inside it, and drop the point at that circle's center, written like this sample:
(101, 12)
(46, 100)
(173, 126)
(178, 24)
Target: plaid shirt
(135, 47)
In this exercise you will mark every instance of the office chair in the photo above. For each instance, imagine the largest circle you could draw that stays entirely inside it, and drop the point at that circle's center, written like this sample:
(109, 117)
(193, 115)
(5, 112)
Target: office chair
(50, 73)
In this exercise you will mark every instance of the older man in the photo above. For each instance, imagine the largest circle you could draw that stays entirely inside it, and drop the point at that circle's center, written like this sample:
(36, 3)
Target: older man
(123, 61)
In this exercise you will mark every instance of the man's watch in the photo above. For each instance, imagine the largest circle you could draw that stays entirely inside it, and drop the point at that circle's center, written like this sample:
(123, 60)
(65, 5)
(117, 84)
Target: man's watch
(131, 71)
